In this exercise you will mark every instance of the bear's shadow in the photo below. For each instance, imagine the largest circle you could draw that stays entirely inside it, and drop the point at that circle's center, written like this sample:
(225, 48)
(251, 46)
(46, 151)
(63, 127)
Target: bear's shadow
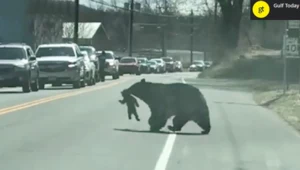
(160, 132)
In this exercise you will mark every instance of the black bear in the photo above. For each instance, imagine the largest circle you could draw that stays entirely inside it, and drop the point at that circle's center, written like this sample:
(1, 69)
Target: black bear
(183, 101)
(131, 103)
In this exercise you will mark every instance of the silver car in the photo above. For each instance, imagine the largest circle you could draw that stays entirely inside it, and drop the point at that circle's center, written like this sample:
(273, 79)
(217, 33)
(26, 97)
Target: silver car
(61, 64)
(90, 69)
(161, 64)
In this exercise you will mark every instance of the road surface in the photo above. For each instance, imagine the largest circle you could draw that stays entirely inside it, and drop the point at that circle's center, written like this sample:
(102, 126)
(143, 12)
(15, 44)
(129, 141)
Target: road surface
(65, 129)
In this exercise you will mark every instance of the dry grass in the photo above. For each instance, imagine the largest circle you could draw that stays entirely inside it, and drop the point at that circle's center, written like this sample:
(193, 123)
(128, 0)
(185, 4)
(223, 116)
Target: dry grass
(287, 106)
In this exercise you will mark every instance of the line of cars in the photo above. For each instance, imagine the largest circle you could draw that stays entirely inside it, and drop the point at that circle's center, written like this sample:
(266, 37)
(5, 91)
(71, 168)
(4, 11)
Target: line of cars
(55, 64)
(140, 65)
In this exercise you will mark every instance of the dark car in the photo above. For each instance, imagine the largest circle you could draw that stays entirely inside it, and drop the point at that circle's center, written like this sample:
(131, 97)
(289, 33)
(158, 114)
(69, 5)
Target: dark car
(145, 67)
(18, 67)
(170, 64)
(129, 65)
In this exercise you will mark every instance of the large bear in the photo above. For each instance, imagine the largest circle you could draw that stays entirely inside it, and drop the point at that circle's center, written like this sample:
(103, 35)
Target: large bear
(183, 101)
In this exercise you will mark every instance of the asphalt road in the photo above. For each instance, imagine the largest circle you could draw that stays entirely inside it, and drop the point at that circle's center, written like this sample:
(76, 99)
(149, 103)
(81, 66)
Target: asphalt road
(64, 129)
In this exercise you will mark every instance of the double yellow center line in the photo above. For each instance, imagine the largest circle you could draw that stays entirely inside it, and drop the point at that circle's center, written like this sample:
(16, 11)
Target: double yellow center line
(56, 97)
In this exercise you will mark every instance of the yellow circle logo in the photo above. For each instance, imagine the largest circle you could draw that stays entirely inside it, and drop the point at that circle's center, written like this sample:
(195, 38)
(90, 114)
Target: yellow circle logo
(261, 9)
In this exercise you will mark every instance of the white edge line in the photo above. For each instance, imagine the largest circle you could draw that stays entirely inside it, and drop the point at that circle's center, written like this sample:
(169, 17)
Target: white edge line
(162, 162)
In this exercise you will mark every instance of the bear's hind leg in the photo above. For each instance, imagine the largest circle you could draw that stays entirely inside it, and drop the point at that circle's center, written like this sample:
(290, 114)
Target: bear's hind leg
(178, 123)
(204, 123)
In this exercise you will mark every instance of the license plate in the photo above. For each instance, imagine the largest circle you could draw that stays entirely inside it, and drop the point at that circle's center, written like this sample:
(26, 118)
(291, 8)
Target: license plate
(52, 78)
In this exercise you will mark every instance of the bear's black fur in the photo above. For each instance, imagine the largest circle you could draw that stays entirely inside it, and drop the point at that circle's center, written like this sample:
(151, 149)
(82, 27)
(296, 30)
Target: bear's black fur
(183, 101)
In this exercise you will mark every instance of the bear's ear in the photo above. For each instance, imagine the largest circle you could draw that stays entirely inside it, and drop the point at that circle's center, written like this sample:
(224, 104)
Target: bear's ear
(143, 80)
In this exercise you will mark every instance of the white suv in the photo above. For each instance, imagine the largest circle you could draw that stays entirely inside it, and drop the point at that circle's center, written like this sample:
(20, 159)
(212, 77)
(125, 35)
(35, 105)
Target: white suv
(61, 64)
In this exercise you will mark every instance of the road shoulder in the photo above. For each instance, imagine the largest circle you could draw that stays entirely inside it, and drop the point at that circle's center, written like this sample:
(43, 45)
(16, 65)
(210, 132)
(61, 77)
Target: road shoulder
(268, 94)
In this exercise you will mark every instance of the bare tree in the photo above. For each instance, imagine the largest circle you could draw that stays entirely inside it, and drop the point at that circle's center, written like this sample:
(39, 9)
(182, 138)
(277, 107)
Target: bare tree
(68, 30)
(113, 2)
(230, 25)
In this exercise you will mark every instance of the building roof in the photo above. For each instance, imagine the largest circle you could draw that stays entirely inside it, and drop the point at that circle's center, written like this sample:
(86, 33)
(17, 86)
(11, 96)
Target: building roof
(57, 45)
(86, 30)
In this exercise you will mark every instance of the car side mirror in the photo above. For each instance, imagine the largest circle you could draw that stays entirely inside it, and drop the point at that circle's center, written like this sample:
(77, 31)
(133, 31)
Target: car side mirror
(32, 58)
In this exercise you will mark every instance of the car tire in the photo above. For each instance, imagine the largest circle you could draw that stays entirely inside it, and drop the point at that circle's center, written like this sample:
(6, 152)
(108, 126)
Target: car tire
(115, 76)
(35, 86)
(76, 84)
(26, 88)
(90, 82)
(94, 81)
(82, 83)
(41, 85)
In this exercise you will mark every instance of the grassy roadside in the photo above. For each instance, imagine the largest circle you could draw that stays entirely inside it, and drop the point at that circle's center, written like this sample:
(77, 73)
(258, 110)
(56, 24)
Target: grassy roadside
(262, 74)
(287, 106)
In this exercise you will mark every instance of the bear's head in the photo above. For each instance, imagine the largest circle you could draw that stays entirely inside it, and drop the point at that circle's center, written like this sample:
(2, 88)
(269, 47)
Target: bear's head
(125, 93)
(140, 89)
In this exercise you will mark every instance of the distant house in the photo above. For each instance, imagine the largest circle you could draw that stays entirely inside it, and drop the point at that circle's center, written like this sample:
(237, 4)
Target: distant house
(89, 33)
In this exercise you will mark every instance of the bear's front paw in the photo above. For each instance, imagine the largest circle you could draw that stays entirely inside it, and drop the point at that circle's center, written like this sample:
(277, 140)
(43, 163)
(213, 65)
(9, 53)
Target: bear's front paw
(206, 132)
(154, 129)
(171, 128)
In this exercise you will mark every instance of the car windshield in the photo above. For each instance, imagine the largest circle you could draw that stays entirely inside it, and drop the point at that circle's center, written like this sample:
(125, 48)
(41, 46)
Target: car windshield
(106, 55)
(158, 61)
(198, 62)
(55, 51)
(152, 62)
(128, 60)
(89, 50)
(167, 59)
(12, 53)
(142, 60)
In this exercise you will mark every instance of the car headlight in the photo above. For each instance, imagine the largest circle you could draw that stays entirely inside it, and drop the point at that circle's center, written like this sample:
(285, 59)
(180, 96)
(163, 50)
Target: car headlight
(72, 64)
(21, 67)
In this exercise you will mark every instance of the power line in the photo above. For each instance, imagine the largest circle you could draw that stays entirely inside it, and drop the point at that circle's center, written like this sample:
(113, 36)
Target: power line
(128, 10)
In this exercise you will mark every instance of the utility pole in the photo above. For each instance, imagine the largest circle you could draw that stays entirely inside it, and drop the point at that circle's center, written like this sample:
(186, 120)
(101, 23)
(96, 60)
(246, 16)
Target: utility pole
(215, 30)
(192, 35)
(215, 12)
(164, 31)
(76, 21)
(131, 27)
